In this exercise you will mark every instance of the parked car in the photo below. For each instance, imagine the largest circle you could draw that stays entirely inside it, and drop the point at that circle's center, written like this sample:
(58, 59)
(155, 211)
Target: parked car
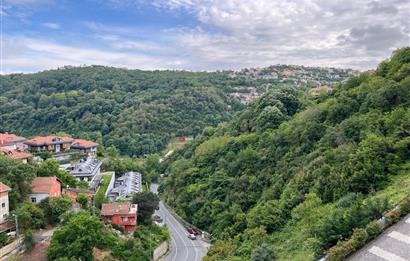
(192, 236)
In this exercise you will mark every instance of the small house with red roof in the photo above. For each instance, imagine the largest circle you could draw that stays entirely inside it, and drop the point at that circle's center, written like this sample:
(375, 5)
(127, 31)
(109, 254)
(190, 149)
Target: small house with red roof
(16, 154)
(11, 141)
(4, 202)
(49, 143)
(44, 187)
(121, 214)
(84, 147)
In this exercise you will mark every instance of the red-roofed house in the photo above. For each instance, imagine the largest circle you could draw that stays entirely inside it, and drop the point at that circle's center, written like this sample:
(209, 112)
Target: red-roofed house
(11, 141)
(121, 214)
(4, 202)
(49, 143)
(84, 146)
(16, 154)
(44, 187)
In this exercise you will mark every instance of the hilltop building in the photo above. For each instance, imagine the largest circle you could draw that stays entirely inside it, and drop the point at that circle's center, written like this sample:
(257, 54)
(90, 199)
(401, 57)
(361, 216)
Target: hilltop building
(84, 147)
(12, 141)
(125, 186)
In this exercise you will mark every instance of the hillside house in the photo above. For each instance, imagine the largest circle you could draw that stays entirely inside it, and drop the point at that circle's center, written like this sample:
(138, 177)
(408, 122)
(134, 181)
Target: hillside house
(16, 154)
(84, 147)
(4, 202)
(121, 214)
(125, 186)
(49, 143)
(12, 141)
(44, 187)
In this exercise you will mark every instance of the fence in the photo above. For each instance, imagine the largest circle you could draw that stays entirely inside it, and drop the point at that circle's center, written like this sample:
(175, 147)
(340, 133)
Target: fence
(7, 251)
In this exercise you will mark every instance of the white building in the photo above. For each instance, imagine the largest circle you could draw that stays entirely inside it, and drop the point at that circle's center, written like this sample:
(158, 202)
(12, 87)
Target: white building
(4, 202)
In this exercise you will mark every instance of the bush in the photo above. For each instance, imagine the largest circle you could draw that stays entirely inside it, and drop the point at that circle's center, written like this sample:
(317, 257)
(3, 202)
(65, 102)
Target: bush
(29, 240)
(358, 238)
(405, 206)
(4, 239)
(393, 216)
(339, 252)
(373, 229)
(117, 227)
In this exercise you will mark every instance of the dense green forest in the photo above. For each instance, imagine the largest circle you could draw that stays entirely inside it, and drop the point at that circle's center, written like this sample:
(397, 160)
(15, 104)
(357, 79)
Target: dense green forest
(289, 176)
(136, 111)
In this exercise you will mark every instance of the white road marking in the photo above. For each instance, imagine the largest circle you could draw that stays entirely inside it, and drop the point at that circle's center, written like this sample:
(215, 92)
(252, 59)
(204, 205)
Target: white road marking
(386, 255)
(399, 236)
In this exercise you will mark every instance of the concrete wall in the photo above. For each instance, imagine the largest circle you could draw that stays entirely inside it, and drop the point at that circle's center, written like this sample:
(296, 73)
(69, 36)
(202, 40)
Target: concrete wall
(39, 197)
(160, 251)
(111, 185)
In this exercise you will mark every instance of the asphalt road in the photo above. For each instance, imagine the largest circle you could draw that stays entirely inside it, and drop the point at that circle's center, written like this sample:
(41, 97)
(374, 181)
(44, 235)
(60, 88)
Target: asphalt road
(182, 248)
(392, 245)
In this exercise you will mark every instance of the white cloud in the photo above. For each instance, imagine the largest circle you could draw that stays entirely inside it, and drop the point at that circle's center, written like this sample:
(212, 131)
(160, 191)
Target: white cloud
(52, 25)
(31, 54)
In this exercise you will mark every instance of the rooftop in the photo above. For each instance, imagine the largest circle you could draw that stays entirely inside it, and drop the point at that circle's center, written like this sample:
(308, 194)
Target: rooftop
(11, 137)
(85, 167)
(110, 209)
(4, 187)
(43, 184)
(16, 154)
(78, 143)
(49, 140)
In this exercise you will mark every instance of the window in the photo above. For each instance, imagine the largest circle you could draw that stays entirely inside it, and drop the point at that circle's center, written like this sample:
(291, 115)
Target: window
(124, 219)
(33, 200)
(3, 205)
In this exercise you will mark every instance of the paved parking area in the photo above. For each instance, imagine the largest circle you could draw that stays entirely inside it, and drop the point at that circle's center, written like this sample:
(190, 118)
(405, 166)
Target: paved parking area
(392, 245)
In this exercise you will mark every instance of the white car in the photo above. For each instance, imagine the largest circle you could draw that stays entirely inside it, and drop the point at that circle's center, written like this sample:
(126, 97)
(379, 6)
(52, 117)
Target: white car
(192, 236)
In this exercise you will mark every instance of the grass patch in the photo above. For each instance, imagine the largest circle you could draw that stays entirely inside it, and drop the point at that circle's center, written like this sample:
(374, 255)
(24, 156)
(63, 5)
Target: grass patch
(100, 196)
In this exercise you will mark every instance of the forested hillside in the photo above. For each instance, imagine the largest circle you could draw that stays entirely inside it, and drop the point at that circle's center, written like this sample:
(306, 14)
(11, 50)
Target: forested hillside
(290, 177)
(137, 111)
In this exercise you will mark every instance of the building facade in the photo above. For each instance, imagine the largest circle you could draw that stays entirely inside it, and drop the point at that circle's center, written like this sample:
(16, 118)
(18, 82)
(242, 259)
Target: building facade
(4, 203)
(54, 144)
(86, 169)
(44, 187)
(121, 214)
(84, 147)
(12, 141)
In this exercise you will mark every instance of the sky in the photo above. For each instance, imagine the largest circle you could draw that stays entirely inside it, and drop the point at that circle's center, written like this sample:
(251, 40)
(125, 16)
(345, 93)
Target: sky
(200, 35)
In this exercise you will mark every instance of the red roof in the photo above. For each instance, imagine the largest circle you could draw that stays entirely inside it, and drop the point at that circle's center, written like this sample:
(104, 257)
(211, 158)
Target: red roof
(16, 154)
(4, 188)
(111, 209)
(11, 137)
(43, 184)
(84, 143)
(49, 140)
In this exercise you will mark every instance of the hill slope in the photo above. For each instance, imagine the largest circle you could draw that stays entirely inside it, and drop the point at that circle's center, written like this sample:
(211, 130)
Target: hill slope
(137, 111)
(291, 178)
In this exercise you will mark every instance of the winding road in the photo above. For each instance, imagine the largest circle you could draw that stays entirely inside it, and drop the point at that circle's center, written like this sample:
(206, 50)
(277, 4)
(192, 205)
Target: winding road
(182, 248)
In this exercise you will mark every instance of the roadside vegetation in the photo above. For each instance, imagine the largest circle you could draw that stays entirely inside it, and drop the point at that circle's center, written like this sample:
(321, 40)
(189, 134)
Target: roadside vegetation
(298, 174)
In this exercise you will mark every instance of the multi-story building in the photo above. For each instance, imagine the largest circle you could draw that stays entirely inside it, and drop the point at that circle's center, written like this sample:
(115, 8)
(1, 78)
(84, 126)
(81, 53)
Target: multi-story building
(84, 147)
(11, 141)
(86, 169)
(121, 214)
(49, 143)
(4, 202)
(125, 186)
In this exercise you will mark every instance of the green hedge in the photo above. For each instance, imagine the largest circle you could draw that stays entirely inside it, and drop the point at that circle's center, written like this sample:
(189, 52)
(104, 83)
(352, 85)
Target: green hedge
(100, 196)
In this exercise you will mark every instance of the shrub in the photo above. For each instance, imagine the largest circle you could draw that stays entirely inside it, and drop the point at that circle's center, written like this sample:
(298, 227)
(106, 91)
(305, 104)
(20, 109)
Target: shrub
(29, 240)
(393, 216)
(339, 252)
(117, 227)
(358, 238)
(4, 239)
(373, 229)
(405, 206)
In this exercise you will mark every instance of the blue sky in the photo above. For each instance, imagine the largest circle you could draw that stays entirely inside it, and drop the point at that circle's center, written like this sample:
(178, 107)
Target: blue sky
(200, 34)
